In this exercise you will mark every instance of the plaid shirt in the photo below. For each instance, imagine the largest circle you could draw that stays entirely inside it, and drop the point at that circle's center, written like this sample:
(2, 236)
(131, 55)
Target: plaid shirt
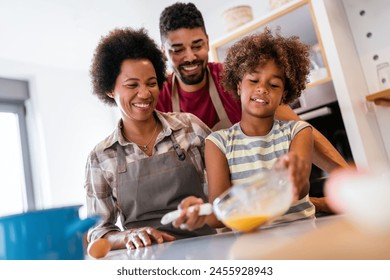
(101, 183)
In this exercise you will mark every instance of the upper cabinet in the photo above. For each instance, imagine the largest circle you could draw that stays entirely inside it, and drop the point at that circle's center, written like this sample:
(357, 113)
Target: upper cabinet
(369, 21)
(294, 18)
(352, 38)
(357, 43)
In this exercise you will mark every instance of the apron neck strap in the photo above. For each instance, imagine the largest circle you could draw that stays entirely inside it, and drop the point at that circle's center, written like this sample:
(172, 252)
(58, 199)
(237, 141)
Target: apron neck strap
(121, 156)
(224, 121)
(179, 152)
(121, 159)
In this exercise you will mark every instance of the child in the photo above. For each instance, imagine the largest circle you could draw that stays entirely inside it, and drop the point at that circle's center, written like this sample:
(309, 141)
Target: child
(263, 71)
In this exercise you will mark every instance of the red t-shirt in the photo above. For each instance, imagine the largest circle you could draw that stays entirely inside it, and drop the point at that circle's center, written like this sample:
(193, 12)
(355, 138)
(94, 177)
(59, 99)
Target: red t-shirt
(199, 102)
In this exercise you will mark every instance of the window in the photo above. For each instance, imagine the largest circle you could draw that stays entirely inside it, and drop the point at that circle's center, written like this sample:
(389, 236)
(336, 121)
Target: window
(16, 186)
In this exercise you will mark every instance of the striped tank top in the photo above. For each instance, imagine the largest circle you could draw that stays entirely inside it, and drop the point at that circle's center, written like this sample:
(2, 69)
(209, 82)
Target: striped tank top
(247, 155)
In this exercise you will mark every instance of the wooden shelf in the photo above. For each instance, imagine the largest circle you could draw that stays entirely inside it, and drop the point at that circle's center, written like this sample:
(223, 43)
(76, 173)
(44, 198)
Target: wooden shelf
(384, 94)
(319, 82)
(294, 18)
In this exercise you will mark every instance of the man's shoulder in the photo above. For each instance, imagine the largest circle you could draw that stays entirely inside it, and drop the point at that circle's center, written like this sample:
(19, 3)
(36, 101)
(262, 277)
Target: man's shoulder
(167, 85)
(215, 66)
(164, 102)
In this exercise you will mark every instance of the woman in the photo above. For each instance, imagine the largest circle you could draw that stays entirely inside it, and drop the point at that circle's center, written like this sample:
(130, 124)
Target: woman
(152, 160)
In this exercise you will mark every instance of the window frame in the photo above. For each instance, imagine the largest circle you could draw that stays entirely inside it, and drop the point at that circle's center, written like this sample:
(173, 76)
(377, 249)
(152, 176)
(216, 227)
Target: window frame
(13, 95)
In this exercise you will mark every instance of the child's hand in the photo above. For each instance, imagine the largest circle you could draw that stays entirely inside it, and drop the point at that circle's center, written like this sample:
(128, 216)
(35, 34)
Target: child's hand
(190, 220)
(298, 171)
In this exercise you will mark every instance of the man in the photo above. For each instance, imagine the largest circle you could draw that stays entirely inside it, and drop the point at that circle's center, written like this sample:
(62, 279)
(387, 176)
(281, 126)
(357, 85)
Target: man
(195, 87)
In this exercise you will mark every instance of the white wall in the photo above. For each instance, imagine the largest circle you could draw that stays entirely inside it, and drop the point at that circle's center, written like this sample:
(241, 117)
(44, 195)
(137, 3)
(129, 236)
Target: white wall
(50, 44)
(65, 32)
(65, 121)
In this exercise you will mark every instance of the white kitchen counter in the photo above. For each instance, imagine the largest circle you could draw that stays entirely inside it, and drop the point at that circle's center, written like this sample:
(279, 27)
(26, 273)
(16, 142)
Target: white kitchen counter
(331, 237)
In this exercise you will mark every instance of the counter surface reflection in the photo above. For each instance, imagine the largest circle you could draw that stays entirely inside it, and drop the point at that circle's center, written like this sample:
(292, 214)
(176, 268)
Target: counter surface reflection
(331, 237)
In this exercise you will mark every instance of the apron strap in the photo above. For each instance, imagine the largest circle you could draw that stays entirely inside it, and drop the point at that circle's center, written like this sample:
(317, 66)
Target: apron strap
(121, 159)
(224, 121)
(175, 95)
(179, 152)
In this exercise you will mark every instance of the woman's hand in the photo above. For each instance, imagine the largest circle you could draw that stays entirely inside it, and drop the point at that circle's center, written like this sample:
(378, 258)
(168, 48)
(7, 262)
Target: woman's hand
(190, 220)
(136, 238)
(142, 237)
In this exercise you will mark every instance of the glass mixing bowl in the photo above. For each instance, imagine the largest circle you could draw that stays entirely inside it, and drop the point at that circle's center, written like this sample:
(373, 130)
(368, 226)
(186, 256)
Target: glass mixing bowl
(245, 207)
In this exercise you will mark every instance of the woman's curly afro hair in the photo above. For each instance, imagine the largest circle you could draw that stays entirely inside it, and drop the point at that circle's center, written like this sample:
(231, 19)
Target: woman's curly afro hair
(113, 49)
(289, 53)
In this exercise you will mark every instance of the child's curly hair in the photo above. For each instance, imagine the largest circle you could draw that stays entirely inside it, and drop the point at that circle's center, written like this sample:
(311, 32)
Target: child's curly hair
(290, 54)
(113, 49)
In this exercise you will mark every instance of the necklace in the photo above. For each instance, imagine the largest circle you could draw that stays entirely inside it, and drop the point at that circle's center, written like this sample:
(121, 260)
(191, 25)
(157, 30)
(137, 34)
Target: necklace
(144, 147)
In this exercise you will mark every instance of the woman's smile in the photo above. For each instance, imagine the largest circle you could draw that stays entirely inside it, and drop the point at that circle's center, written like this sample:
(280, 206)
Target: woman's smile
(143, 105)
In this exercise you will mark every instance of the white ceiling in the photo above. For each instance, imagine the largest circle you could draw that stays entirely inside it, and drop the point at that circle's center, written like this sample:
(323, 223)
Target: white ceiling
(64, 33)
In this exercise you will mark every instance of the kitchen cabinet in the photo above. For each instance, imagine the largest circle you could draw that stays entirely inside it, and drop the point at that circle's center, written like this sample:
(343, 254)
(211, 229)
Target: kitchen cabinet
(356, 41)
(294, 18)
(352, 39)
(318, 103)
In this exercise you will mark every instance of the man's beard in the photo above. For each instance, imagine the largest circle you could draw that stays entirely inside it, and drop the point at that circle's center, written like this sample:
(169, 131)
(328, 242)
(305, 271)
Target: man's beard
(193, 79)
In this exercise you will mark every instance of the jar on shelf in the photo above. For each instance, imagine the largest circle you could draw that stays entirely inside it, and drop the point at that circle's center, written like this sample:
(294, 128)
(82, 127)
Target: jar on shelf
(317, 69)
(236, 16)
(316, 55)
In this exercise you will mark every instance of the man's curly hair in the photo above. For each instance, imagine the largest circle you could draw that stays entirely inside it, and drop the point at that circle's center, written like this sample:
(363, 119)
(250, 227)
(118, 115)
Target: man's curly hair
(180, 15)
(289, 53)
(113, 49)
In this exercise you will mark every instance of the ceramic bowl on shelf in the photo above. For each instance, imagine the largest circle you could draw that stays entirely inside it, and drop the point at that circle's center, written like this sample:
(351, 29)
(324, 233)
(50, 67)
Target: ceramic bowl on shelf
(275, 4)
(236, 16)
(317, 74)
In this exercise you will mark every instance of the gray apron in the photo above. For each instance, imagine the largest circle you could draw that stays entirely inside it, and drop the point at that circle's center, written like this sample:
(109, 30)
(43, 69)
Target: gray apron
(153, 186)
(224, 121)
